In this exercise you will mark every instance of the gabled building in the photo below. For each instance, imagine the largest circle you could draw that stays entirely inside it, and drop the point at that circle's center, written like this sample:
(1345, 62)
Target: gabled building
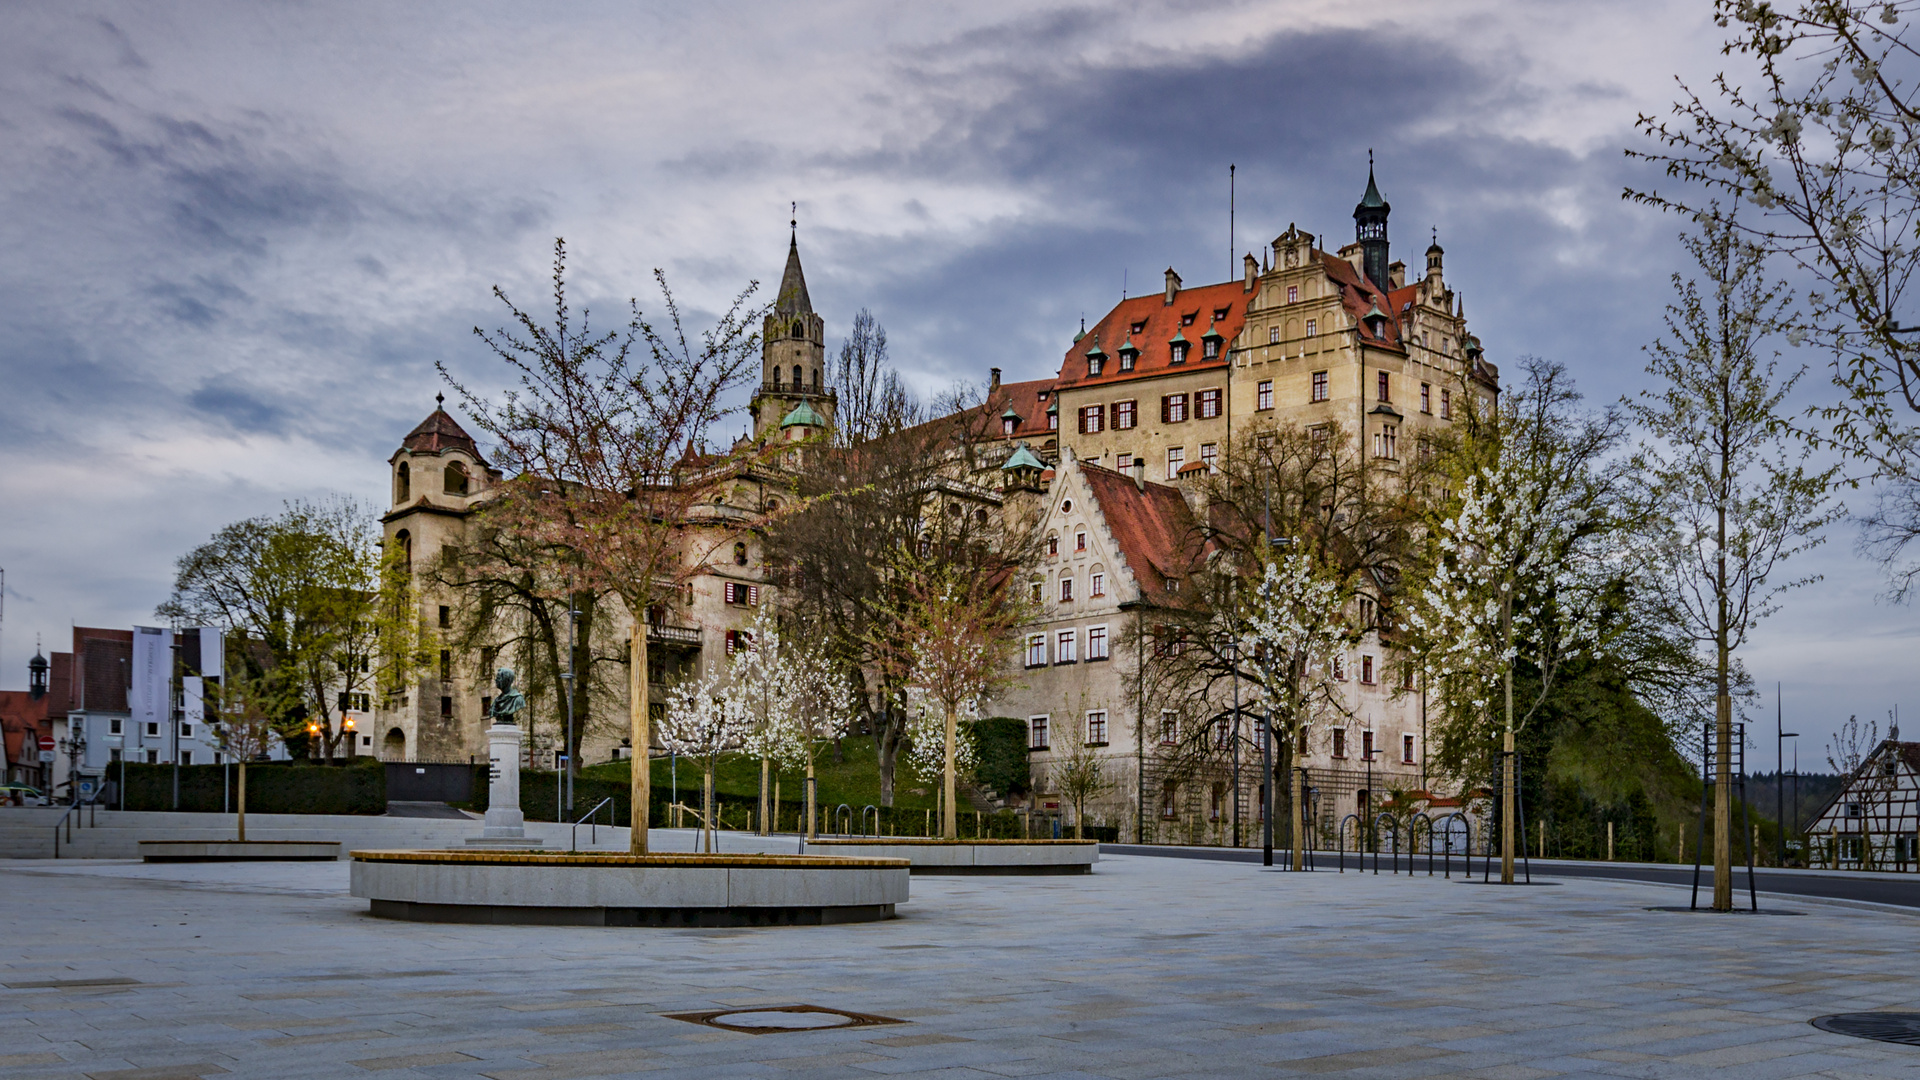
(1873, 822)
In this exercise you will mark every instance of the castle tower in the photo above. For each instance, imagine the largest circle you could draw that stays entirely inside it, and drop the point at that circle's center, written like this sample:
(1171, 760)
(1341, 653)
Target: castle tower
(1370, 230)
(793, 362)
(438, 476)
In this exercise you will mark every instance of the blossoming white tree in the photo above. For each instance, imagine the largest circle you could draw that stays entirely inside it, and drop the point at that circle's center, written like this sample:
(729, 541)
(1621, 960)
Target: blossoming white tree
(1295, 620)
(703, 721)
(1514, 574)
(954, 647)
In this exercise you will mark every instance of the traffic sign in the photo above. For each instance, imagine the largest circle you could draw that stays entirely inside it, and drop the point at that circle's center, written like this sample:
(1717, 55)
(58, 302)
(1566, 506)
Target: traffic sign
(46, 757)
(46, 742)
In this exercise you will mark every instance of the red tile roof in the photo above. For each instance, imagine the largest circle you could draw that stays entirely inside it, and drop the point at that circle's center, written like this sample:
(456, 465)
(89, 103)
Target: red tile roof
(1025, 399)
(1151, 525)
(1357, 295)
(438, 433)
(1161, 323)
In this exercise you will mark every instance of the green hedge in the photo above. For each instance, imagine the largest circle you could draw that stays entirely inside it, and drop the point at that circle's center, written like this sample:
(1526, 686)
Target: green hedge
(1000, 748)
(737, 812)
(356, 786)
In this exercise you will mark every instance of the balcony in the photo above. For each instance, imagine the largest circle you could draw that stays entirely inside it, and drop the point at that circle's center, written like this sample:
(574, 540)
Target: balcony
(801, 390)
(668, 634)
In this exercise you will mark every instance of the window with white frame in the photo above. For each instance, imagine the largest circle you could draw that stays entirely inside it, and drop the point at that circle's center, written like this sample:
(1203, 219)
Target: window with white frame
(1319, 386)
(1080, 540)
(1066, 590)
(1036, 650)
(1066, 647)
(1097, 728)
(1406, 749)
(1273, 335)
(113, 725)
(1313, 327)
(1096, 643)
(1092, 419)
(1176, 457)
(153, 730)
(1124, 414)
(1426, 397)
(1097, 584)
(1210, 456)
(1366, 669)
(186, 757)
(1366, 745)
(1206, 404)
(1446, 404)
(1263, 395)
(1173, 408)
(1169, 728)
(1037, 733)
(1293, 294)
(1123, 461)
(1339, 742)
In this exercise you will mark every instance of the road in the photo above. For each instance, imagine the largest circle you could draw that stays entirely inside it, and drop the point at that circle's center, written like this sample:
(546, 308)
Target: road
(1898, 890)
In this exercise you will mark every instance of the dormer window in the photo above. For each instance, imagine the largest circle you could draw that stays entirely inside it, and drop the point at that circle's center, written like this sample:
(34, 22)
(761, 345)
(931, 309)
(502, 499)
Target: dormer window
(1221, 313)
(1187, 319)
(1139, 327)
(1008, 424)
(1128, 354)
(1096, 358)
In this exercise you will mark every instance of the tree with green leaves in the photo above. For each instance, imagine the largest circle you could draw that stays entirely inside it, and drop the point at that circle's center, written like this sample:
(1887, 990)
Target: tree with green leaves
(1727, 492)
(317, 612)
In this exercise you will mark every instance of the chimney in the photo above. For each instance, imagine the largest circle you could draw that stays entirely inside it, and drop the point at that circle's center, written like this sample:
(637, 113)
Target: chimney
(1253, 271)
(1173, 285)
(993, 379)
(1140, 473)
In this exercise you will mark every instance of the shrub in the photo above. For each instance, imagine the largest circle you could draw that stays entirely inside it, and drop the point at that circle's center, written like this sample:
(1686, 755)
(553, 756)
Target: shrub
(354, 786)
(1000, 744)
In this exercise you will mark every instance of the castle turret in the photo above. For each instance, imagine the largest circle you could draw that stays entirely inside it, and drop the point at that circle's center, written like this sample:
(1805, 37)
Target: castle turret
(793, 355)
(1370, 231)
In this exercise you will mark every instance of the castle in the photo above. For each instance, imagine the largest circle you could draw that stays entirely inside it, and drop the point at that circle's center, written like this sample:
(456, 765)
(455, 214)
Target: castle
(1106, 456)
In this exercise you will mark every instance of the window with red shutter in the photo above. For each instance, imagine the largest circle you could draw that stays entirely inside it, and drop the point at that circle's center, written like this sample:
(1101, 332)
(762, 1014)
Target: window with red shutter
(753, 594)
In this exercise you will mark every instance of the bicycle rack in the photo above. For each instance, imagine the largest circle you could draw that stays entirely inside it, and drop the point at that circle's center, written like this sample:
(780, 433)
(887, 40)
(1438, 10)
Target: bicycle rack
(843, 808)
(863, 820)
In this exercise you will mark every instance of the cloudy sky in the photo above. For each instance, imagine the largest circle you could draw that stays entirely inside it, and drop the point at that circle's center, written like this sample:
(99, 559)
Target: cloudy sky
(234, 239)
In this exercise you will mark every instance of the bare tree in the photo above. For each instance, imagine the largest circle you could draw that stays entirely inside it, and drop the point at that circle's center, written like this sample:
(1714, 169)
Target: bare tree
(872, 401)
(604, 438)
(1728, 494)
(1822, 137)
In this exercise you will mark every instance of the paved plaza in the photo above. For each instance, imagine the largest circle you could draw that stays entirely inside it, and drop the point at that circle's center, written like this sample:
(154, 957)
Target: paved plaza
(1152, 967)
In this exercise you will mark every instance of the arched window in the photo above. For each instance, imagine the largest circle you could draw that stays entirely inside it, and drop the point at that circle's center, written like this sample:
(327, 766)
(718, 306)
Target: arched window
(776, 377)
(405, 540)
(456, 479)
(816, 380)
(402, 484)
(796, 377)
(740, 554)
(799, 331)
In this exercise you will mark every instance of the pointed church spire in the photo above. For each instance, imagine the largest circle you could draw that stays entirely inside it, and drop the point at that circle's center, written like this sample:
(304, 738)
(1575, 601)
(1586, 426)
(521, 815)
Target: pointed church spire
(793, 299)
(1371, 200)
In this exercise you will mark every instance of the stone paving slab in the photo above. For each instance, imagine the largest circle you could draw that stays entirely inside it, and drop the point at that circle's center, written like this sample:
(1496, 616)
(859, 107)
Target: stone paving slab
(1150, 968)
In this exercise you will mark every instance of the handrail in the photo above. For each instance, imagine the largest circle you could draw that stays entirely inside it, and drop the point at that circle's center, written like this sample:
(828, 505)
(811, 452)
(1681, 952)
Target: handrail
(593, 834)
(66, 819)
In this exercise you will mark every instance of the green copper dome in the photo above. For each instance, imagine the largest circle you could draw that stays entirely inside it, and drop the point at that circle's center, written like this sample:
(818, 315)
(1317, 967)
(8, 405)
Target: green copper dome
(802, 416)
(1022, 459)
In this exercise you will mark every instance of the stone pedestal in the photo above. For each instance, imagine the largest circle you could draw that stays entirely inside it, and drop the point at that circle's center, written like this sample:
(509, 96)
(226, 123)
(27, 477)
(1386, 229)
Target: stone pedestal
(506, 826)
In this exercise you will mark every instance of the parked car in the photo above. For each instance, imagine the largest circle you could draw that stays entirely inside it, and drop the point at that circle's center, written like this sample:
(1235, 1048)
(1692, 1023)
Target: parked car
(22, 795)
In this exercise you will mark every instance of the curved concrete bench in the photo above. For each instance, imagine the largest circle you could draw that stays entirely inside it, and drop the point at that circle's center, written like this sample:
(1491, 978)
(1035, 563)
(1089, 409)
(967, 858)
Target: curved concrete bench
(937, 856)
(239, 850)
(560, 889)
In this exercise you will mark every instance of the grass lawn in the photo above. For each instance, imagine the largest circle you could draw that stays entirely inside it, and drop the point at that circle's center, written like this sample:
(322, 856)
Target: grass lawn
(855, 781)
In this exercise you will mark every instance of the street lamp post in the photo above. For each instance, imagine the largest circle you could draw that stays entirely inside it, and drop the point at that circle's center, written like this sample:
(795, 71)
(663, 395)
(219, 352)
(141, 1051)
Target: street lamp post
(1234, 652)
(1780, 737)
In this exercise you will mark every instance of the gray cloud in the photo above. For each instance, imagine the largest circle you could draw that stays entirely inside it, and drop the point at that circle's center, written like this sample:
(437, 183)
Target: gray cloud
(235, 244)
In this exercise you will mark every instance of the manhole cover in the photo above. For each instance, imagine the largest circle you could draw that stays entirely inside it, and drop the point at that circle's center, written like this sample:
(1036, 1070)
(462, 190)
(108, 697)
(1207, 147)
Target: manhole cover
(769, 1019)
(1892, 1027)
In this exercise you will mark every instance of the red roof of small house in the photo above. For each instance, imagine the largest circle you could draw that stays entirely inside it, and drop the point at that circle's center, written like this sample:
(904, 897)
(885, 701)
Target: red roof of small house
(1151, 525)
(1221, 308)
(438, 433)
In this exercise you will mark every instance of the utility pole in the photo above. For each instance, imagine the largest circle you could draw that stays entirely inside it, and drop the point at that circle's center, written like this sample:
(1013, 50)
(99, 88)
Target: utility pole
(566, 778)
(174, 715)
(1235, 653)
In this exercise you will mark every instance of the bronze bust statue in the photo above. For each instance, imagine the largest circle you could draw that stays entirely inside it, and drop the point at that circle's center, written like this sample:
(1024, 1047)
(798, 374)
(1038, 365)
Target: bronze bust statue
(507, 707)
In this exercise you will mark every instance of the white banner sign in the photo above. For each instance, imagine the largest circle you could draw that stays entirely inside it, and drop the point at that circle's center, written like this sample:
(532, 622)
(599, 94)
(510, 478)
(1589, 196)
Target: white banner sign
(150, 683)
(193, 693)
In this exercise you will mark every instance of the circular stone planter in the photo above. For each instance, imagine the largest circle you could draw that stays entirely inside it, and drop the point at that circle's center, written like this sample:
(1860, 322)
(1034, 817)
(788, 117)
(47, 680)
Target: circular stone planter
(937, 856)
(239, 850)
(560, 889)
